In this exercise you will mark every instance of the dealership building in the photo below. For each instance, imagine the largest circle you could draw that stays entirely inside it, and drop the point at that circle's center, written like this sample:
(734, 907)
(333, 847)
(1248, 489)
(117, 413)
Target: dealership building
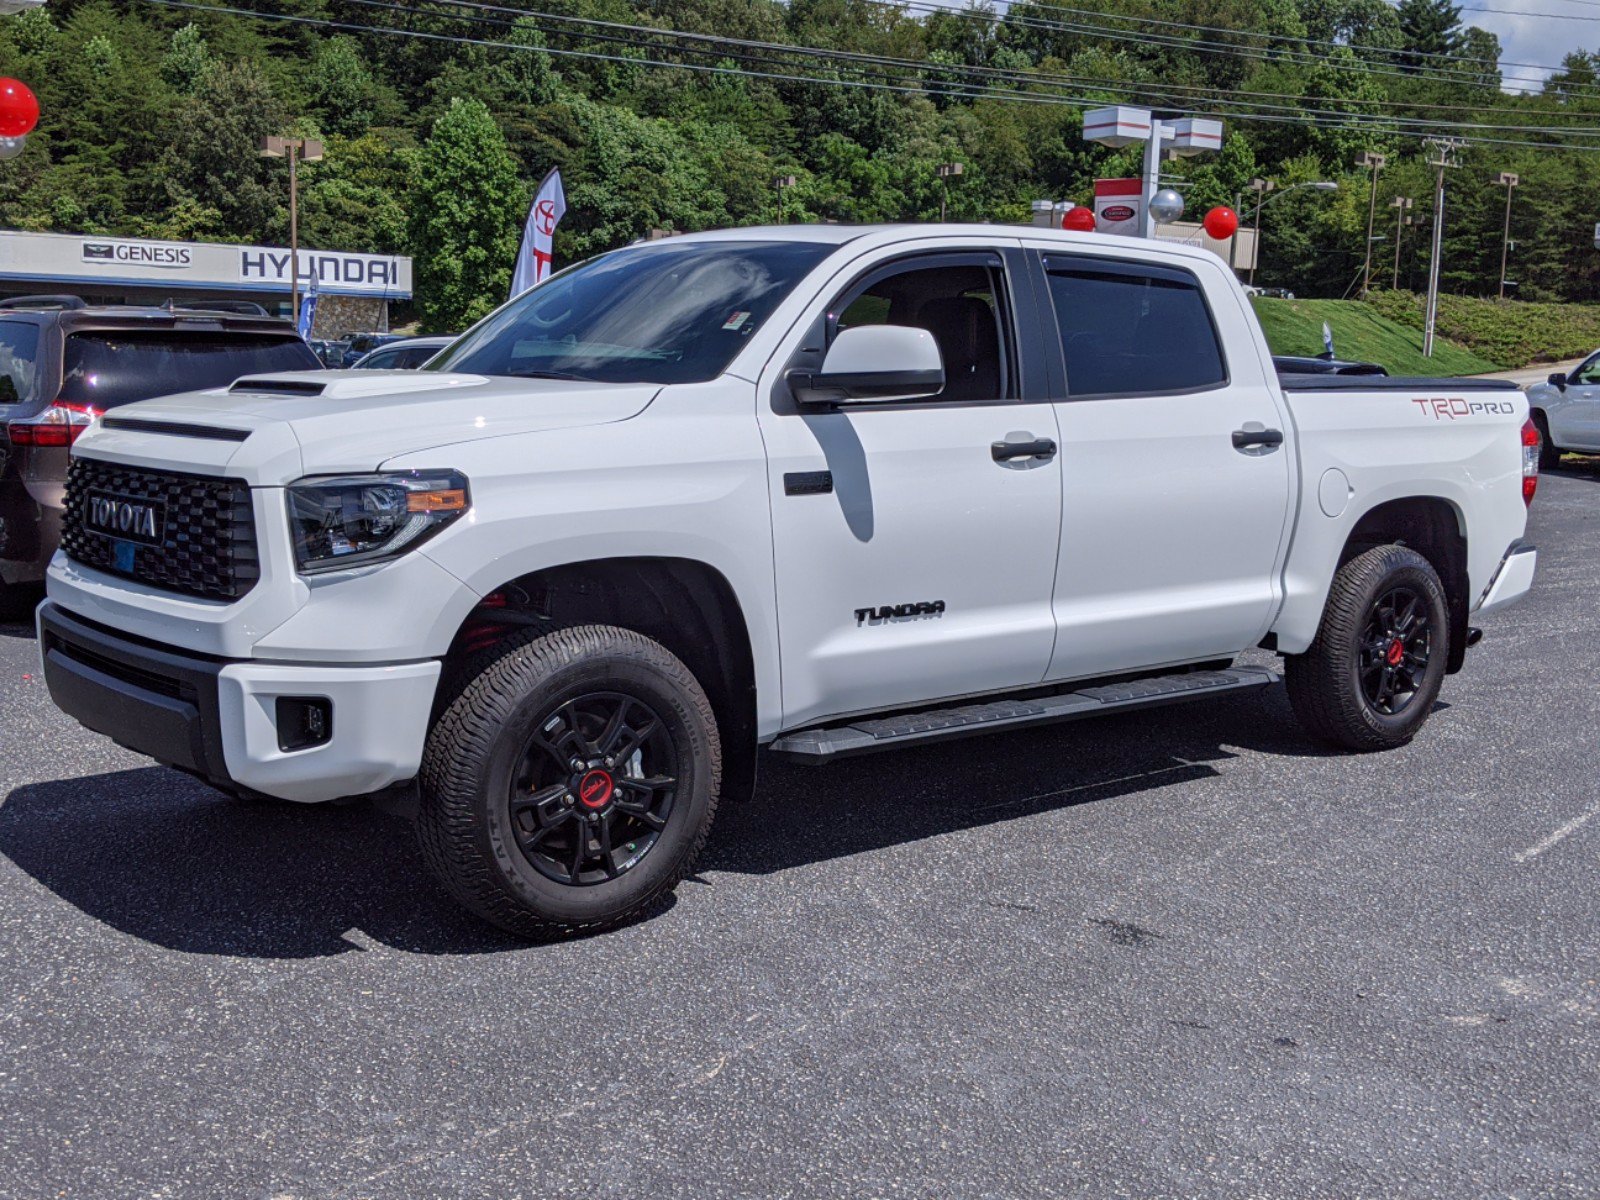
(356, 290)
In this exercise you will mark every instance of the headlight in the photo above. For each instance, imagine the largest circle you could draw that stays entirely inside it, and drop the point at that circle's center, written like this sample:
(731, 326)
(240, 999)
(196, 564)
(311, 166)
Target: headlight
(353, 520)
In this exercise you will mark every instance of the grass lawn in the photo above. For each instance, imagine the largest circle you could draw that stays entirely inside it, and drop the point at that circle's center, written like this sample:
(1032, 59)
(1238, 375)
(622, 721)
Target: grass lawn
(1359, 333)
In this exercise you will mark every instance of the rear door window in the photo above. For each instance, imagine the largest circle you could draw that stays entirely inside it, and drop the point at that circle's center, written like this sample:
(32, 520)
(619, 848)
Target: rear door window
(19, 362)
(105, 368)
(1131, 329)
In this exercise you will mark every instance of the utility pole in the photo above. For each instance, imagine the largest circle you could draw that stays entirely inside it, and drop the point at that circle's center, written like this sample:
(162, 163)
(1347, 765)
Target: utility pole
(947, 171)
(1401, 206)
(1261, 187)
(1442, 154)
(295, 150)
(1509, 181)
(1375, 162)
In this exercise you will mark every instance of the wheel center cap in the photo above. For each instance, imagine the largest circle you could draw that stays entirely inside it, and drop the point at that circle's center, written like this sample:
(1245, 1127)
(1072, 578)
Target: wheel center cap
(595, 789)
(1397, 651)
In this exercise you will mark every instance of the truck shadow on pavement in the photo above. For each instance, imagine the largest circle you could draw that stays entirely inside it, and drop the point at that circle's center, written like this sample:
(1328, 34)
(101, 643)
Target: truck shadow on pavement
(165, 859)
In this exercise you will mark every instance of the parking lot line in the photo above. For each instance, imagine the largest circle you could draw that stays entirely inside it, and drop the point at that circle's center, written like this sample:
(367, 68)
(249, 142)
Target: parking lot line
(1560, 835)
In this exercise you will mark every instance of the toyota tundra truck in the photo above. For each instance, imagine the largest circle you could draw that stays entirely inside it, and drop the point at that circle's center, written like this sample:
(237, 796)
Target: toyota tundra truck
(824, 490)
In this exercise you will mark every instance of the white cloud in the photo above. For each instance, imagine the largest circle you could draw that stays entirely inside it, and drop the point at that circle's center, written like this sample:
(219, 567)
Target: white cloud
(1532, 34)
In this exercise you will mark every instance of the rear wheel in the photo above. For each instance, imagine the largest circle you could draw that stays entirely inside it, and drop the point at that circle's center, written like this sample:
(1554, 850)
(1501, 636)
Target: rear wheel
(570, 782)
(1549, 455)
(1369, 680)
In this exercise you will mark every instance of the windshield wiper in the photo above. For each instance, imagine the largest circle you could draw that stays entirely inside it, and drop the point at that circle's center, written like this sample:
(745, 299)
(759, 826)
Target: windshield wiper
(549, 375)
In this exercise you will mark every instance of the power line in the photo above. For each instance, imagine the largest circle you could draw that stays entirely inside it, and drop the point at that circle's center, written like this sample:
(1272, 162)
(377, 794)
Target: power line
(1301, 117)
(1029, 77)
(1194, 45)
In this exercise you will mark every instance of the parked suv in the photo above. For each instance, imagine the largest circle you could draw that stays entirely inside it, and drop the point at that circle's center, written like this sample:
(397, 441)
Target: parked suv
(63, 362)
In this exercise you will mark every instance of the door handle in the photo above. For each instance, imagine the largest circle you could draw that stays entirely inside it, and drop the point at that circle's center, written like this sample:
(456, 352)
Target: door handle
(1038, 448)
(1243, 439)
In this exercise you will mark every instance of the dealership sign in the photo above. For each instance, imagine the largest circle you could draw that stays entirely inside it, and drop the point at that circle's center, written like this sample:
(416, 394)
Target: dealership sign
(335, 271)
(1119, 206)
(145, 254)
(71, 261)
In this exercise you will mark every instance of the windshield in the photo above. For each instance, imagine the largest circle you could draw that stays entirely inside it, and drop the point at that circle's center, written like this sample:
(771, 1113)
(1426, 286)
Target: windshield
(111, 367)
(662, 314)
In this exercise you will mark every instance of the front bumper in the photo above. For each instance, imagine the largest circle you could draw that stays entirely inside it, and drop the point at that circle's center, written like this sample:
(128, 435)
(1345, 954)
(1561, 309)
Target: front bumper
(217, 718)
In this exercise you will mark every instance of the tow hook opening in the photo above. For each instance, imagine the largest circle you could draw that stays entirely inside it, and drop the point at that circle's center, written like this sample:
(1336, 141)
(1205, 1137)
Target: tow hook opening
(1474, 636)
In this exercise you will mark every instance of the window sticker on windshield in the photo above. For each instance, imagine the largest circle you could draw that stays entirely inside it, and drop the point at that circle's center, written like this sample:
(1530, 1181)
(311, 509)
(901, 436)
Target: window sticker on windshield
(736, 321)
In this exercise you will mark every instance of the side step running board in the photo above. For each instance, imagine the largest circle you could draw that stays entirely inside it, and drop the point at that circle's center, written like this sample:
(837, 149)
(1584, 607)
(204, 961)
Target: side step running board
(818, 746)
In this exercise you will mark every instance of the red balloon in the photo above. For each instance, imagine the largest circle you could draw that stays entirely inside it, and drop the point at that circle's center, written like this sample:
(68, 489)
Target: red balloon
(19, 108)
(1079, 219)
(1221, 222)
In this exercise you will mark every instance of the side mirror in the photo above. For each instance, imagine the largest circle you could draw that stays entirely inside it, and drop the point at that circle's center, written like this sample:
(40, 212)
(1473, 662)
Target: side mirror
(1558, 380)
(873, 364)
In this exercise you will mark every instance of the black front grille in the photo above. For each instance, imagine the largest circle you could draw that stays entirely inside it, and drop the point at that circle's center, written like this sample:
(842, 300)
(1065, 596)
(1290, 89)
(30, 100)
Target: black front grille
(207, 541)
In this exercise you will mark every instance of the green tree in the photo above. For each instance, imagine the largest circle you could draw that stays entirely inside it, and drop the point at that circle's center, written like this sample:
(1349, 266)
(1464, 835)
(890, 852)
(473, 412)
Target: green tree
(213, 157)
(185, 62)
(1428, 27)
(466, 206)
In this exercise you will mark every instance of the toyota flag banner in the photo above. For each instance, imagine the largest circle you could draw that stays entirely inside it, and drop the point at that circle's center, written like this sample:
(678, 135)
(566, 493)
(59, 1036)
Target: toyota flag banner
(307, 316)
(533, 260)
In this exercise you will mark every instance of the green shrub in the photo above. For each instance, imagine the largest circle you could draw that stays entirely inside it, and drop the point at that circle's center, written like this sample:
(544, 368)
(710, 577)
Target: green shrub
(1513, 333)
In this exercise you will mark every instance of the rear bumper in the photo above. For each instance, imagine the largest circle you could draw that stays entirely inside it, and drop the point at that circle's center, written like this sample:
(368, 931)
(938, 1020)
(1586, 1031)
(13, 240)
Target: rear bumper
(1512, 581)
(217, 718)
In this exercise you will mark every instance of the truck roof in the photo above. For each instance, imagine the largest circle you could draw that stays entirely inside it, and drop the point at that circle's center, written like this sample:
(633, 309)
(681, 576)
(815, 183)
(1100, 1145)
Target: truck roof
(838, 235)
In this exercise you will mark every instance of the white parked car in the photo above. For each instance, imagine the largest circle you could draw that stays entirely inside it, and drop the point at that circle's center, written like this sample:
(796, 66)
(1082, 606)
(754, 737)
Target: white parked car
(1566, 411)
(826, 490)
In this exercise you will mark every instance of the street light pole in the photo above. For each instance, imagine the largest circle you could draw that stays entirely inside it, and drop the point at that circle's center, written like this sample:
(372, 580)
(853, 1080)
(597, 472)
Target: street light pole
(947, 171)
(1375, 162)
(295, 150)
(1261, 187)
(1401, 206)
(779, 184)
(1443, 156)
(1509, 181)
(1320, 185)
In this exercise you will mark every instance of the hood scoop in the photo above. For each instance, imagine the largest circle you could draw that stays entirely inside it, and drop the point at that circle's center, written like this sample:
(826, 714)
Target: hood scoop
(351, 385)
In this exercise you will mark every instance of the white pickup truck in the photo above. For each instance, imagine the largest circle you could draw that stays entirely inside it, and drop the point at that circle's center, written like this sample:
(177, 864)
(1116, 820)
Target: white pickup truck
(824, 489)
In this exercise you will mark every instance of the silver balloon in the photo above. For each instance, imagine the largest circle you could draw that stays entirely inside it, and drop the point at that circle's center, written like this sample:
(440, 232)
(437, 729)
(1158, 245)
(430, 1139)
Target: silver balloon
(11, 147)
(1166, 206)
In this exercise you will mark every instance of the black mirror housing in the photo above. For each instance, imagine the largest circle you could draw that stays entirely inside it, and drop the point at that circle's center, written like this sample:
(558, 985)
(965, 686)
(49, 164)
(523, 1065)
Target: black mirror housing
(1558, 380)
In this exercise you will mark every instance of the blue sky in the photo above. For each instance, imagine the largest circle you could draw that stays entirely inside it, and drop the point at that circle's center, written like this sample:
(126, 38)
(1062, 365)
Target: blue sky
(1529, 32)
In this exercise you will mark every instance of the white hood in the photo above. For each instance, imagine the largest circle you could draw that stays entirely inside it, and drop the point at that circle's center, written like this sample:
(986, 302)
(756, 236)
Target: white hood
(272, 429)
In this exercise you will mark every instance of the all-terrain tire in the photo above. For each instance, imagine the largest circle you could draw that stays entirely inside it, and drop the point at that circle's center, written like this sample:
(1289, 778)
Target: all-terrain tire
(1325, 684)
(465, 824)
(1549, 455)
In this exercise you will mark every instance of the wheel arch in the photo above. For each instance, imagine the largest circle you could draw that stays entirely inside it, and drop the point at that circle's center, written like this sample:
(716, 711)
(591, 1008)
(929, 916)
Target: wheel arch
(1436, 529)
(686, 605)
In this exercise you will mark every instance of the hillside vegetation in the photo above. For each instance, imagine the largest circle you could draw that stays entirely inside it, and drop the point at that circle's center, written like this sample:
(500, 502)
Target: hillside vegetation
(1362, 333)
(1513, 333)
(440, 116)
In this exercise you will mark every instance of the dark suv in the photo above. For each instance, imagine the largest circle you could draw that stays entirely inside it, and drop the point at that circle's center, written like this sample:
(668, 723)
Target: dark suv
(63, 362)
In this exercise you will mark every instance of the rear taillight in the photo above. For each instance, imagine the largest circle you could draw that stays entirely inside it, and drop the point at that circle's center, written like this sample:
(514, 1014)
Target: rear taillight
(1530, 460)
(59, 425)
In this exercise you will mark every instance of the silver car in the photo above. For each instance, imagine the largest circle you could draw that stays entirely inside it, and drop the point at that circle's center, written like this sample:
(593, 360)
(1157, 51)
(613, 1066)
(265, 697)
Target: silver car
(1566, 410)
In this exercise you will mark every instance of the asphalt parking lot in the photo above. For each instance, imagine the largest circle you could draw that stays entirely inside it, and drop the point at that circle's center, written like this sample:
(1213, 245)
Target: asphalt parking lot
(1182, 954)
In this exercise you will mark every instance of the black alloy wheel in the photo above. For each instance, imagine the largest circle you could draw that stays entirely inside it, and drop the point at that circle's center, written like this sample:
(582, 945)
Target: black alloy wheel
(1370, 677)
(569, 779)
(1394, 650)
(595, 788)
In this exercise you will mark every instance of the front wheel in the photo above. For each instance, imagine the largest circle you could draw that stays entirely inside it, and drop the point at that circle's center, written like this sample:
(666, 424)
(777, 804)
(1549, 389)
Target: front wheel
(570, 782)
(1369, 679)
